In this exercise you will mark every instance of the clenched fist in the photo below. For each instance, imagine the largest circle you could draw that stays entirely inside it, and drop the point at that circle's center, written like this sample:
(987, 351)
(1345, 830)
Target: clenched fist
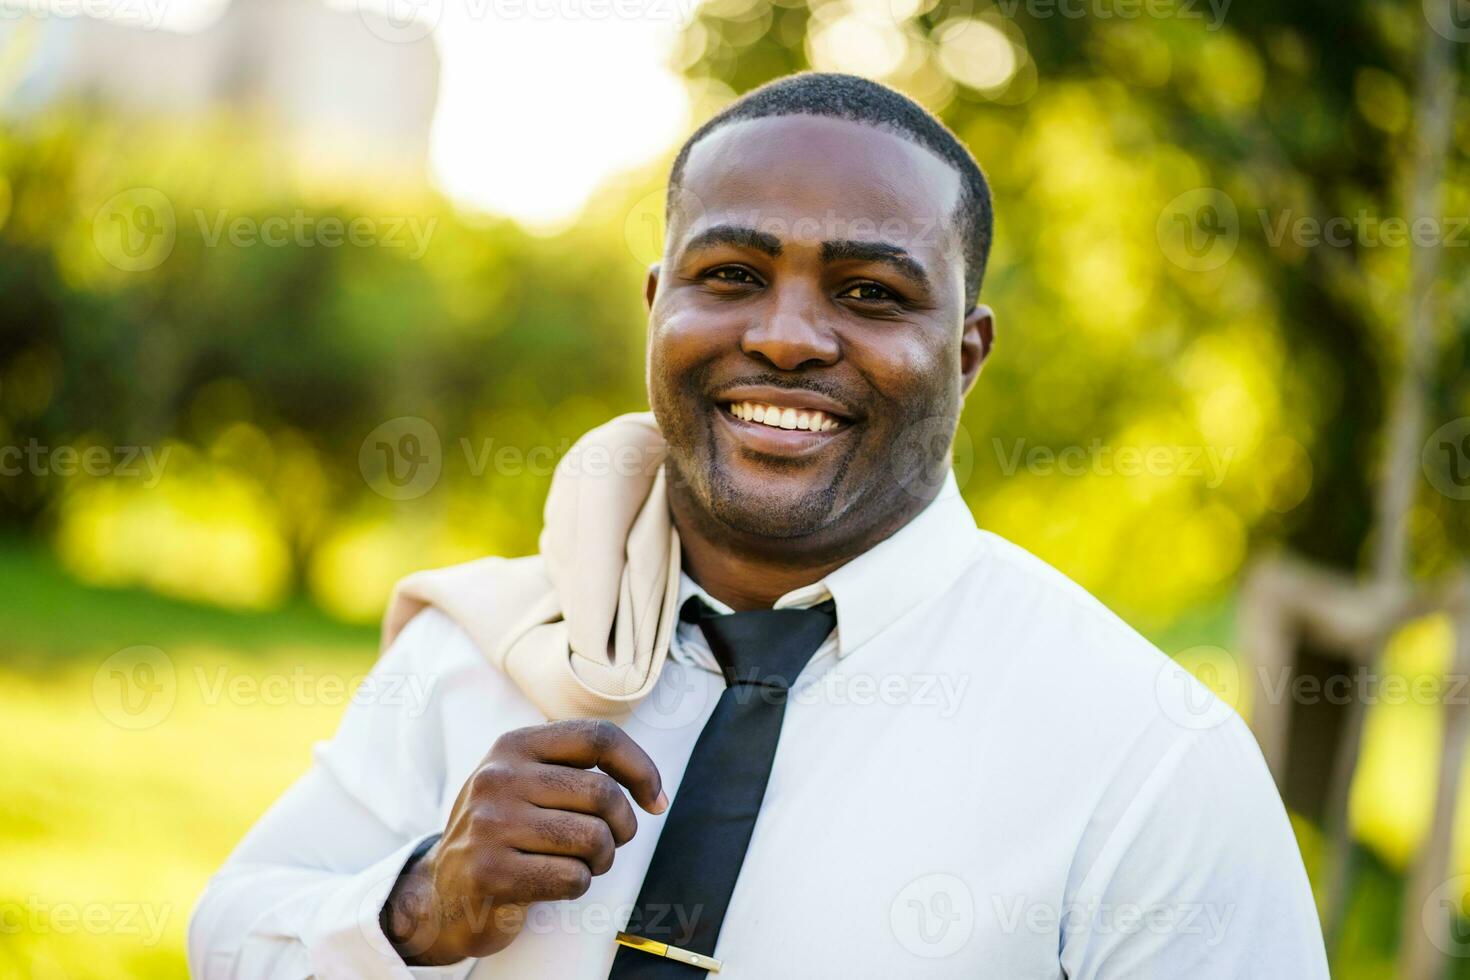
(531, 824)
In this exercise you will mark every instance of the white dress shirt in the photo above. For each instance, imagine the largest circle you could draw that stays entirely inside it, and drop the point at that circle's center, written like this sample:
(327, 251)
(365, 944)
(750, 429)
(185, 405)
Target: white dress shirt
(982, 773)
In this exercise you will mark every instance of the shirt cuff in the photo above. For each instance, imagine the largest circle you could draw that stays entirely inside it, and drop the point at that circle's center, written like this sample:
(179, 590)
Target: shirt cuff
(345, 938)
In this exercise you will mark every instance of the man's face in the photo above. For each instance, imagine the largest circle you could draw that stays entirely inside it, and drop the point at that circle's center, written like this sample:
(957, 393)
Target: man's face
(808, 341)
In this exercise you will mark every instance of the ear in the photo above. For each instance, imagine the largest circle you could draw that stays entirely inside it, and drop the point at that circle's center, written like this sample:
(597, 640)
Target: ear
(976, 338)
(650, 286)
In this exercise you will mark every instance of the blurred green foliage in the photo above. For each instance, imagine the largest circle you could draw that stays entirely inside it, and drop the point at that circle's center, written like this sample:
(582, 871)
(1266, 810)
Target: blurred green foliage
(260, 369)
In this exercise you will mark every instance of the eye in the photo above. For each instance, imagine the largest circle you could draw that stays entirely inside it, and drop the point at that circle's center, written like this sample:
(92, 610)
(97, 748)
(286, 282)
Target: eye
(735, 275)
(868, 292)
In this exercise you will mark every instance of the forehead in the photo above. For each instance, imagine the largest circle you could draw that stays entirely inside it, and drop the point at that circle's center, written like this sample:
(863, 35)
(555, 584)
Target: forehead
(818, 178)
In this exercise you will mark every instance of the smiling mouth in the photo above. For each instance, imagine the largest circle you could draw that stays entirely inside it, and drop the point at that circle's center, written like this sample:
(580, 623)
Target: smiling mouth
(785, 416)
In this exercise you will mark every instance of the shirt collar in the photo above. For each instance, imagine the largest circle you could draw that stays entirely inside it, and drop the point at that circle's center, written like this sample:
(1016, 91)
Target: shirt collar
(873, 590)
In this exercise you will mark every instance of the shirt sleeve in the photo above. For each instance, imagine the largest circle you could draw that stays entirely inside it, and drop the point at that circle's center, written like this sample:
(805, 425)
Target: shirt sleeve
(1191, 869)
(302, 893)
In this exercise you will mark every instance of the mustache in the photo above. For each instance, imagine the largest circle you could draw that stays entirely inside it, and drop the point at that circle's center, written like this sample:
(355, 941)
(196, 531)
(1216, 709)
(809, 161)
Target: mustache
(826, 389)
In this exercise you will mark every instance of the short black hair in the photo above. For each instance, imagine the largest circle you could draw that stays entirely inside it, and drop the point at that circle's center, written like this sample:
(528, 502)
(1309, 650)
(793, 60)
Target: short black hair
(858, 99)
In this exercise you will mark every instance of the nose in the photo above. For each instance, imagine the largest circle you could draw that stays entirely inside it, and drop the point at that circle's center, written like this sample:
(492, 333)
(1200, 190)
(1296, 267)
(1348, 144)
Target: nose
(792, 334)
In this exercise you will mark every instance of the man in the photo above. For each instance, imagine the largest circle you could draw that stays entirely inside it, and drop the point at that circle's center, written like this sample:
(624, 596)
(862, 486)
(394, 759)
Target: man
(883, 743)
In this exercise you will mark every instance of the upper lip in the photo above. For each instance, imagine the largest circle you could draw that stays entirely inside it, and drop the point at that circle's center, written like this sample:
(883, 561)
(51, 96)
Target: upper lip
(798, 398)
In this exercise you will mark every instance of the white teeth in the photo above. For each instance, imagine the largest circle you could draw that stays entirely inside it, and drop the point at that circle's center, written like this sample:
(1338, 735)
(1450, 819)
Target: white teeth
(784, 418)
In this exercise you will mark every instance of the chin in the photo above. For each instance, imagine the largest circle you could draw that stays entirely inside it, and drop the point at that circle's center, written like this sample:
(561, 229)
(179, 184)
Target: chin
(765, 508)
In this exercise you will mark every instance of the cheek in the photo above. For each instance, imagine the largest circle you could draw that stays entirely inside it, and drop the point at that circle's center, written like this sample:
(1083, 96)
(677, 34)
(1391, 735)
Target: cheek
(907, 364)
(684, 336)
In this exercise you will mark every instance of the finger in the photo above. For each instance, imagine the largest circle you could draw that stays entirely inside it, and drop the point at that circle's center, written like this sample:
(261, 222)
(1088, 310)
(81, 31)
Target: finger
(565, 788)
(568, 834)
(545, 878)
(586, 743)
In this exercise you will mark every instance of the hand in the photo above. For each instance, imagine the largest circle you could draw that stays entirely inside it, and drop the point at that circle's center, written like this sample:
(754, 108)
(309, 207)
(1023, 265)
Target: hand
(530, 825)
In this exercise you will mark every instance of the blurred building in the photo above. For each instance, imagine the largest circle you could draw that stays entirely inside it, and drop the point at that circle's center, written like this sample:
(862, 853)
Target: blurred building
(342, 89)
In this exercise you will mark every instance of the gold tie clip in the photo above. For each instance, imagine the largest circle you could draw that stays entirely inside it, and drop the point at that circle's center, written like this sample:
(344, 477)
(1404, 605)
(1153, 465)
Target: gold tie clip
(672, 952)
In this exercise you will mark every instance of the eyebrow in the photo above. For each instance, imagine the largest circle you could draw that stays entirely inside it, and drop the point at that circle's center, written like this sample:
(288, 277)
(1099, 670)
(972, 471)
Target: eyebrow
(736, 236)
(836, 251)
(891, 255)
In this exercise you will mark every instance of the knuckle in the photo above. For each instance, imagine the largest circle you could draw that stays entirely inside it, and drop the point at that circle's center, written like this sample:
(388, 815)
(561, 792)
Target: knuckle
(491, 779)
(602, 733)
(620, 821)
(606, 794)
(578, 834)
(592, 835)
(507, 743)
(577, 880)
(485, 820)
(543, 882)
(605, 848)
(516, 741)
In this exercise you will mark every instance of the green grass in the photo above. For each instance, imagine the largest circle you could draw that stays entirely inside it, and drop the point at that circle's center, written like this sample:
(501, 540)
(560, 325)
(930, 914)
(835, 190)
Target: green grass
(47, 616)
(110, 821)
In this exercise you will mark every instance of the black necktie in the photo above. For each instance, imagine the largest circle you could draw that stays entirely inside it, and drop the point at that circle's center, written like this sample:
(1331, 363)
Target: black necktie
(697, 860)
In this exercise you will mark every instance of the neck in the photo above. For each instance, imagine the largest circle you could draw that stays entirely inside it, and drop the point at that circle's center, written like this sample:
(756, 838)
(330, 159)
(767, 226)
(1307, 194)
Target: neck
(753, 574)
